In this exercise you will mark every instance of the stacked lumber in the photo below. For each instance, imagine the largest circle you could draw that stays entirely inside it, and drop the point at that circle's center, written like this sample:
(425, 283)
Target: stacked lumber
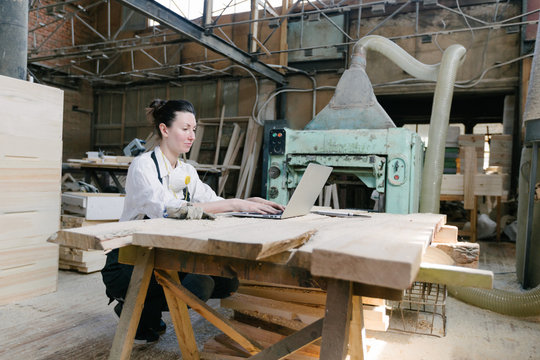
(30, 178)
(84, 261)
(71, 258)
(269, 313)
(477, 142)
(500, 152)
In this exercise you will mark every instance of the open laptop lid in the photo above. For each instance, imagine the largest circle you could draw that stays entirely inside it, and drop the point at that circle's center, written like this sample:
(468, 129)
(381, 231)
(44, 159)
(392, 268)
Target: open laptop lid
(307, 191)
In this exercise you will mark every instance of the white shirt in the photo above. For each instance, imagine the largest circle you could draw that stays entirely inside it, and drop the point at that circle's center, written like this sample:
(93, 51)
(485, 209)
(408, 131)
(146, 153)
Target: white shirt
(145, 195)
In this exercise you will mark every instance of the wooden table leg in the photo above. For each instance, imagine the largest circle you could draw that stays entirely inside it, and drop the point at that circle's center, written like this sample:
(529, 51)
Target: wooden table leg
(357, 345)
(132, 309)
(498, 218)
(335, 332)
(181, 321)
(474, 218)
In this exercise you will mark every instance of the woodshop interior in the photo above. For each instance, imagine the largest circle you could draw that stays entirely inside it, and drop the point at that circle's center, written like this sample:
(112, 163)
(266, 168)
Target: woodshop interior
(441, 264)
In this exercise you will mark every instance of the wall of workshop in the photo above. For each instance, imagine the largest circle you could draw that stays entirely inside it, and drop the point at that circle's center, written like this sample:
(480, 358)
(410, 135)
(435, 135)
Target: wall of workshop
(52, 32)
(485, 48)
(77, 123)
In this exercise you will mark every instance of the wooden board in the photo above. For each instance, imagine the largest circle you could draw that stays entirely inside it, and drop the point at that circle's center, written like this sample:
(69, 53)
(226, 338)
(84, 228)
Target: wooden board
(386, 252)
(21, 229)
(32, 110)
(259, 238)
(28, 271)
(489, 185)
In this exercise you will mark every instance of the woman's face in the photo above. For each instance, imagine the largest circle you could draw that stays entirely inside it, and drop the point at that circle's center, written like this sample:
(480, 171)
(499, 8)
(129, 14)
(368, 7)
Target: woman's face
(181, 134)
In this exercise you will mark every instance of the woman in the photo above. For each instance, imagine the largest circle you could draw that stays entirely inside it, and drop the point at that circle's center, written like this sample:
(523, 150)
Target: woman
(157, 180)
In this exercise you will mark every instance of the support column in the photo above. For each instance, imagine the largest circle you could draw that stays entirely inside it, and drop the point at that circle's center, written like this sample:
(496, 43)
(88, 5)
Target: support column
(13, 38)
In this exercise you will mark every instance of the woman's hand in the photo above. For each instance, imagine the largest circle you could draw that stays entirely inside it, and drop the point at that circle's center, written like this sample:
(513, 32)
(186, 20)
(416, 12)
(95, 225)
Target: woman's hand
(262, 206)
(267, 202)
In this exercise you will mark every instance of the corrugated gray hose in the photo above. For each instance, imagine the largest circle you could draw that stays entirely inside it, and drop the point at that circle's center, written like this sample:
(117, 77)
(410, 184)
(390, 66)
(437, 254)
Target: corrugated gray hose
(500, 301)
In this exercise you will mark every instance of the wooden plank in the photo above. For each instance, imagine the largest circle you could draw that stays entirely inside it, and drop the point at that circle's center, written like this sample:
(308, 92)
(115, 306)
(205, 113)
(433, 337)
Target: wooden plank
(268, 338)
(220, 132)
(468, 177)
(196, 146)
(455, 276)
(207, 312)
(31, 110)
(447, 234)
(181, 321)
(356, 255)
(357, 347)
(335, 333)
(257, 240)
(230, 156)
(27, 228)
(286, 310)
(132, 309)
(302, 296)
(255, 159)
(28, 271)
(292, 343)
(484, 184)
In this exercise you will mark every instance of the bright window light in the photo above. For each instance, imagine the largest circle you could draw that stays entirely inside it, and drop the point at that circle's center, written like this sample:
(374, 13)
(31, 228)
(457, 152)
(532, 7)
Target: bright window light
(193, 9)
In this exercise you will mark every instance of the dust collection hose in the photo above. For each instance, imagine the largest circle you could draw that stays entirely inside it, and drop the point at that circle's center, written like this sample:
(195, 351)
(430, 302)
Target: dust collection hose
(445, 75)
(500, 301)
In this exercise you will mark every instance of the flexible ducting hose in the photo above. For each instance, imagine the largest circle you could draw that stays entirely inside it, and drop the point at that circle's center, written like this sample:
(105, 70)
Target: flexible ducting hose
(445, 74)
(500, 301)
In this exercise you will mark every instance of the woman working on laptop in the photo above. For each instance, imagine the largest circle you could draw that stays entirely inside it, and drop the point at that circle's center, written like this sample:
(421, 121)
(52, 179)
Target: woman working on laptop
(158, 181)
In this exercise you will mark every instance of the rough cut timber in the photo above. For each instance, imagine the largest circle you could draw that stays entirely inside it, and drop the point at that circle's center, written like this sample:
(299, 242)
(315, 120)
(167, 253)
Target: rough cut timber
(386, 252)
(30, 177)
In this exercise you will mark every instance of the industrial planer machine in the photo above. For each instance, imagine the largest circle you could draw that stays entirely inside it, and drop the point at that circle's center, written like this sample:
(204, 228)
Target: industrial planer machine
(355, 136)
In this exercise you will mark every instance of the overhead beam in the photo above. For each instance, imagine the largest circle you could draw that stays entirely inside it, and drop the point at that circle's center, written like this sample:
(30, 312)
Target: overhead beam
(179, 24)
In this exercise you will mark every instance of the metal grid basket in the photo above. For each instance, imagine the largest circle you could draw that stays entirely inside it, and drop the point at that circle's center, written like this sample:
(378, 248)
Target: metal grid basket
(422, 310)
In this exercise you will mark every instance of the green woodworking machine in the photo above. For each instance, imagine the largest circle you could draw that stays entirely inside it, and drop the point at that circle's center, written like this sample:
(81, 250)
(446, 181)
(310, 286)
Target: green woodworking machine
(355, 136)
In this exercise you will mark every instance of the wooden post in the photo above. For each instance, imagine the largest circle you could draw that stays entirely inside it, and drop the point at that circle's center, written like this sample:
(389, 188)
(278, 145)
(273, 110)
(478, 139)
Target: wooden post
(468, 176)
(132, 309)
(357, 347)
(181, 321)
(283, 57)
(335, 335)
(254, 27)
(220, 131)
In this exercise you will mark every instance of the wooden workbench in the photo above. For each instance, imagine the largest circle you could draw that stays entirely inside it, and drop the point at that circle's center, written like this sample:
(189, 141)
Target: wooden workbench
(378, 256)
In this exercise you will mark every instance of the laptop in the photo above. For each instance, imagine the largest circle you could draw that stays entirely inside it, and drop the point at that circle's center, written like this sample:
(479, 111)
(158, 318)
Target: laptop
(304, 195)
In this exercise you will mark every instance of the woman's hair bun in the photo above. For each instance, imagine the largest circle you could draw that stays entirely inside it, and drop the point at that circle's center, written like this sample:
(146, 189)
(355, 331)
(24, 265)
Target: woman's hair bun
(154, 107)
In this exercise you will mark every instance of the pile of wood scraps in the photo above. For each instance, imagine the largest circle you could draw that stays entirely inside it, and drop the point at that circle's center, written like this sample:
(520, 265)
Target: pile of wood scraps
(91, 209)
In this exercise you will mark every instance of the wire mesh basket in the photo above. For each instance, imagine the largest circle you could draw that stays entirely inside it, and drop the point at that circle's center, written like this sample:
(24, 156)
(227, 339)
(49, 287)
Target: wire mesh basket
(422, 310)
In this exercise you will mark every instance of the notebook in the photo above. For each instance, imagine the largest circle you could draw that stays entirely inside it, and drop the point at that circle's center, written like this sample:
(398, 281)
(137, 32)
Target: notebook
(304, 195)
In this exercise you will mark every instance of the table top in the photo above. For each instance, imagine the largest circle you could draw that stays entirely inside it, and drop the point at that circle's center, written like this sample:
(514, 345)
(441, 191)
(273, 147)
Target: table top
(381, 250)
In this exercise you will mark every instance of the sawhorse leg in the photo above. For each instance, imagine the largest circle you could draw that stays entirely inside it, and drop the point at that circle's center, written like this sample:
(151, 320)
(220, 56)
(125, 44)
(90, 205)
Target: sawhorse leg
(132, 309)
(335, 332)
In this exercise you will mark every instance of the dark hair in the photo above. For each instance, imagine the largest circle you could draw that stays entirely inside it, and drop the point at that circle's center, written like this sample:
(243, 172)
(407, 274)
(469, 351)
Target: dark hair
(163, 111)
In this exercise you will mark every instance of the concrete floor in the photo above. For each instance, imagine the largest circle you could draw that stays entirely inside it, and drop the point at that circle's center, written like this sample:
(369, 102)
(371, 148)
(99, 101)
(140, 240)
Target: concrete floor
(76, 323)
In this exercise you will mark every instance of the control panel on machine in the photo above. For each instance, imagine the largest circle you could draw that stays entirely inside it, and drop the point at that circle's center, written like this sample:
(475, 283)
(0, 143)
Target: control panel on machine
(277, 142)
